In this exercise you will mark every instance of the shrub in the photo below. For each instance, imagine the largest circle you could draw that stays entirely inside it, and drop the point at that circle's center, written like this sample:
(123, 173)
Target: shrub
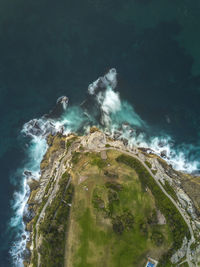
(107, 145)
(75, 157)
(98, 161)
(157, 238)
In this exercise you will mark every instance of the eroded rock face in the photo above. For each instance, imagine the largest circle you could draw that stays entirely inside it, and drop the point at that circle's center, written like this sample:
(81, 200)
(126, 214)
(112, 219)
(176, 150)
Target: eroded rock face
(197, 224)
(180, 253)
(186, 203)
(94, 141)
(28, 215)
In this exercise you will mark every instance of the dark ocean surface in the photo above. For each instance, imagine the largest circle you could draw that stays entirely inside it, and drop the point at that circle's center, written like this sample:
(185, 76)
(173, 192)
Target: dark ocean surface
(53, 48)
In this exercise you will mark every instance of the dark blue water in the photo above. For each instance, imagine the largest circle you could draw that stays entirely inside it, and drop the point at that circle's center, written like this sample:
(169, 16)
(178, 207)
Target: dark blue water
(49, 48)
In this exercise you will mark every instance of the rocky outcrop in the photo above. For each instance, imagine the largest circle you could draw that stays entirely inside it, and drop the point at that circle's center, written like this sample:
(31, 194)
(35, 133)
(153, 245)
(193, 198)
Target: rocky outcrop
(180, 253)
(95, 140)
(186, 203)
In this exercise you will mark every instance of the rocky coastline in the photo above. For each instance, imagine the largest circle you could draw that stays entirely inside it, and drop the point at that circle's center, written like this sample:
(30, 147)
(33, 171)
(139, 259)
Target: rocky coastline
(58, 159)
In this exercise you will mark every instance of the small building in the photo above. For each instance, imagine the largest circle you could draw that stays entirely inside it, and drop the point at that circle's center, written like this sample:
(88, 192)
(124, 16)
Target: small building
(151, 263)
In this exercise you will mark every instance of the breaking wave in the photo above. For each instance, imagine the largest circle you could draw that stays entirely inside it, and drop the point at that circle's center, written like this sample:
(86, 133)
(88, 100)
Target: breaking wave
(104, 108)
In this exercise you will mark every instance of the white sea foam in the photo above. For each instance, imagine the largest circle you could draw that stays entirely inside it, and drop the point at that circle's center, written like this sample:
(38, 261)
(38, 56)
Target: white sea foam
(108, 80)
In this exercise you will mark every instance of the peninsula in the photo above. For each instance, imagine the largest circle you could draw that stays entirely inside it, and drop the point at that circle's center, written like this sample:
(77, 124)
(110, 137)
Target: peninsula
(101, 203)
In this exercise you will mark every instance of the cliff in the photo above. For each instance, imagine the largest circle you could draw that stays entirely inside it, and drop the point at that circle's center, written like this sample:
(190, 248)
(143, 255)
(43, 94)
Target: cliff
(98, 199)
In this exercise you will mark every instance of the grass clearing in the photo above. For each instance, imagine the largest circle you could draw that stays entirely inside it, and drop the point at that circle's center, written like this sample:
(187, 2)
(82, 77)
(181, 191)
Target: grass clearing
(109, 216)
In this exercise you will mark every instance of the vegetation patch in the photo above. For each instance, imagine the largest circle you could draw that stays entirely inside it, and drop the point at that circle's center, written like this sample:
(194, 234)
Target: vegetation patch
(107, 145)
(148, 164)
(113, 222)
(75, 157)
(70, 141)
(98, 161)
(169, 189)
(177, 224)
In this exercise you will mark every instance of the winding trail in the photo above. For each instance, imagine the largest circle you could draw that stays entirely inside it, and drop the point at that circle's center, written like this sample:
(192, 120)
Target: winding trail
(163, 190)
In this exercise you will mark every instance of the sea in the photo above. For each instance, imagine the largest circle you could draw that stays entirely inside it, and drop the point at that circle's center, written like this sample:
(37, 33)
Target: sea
(130, 67)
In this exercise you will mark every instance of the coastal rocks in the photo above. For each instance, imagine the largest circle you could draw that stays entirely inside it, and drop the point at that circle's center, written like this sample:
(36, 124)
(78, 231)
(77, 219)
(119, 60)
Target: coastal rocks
(197, 223)
(163, 153)
(109, 79)
(186, 203)
(180, 253)
(94, 141)
(116, 144)
(32, 183)
(28, 215)
(40, 127)
(94, 129)
(26, 254)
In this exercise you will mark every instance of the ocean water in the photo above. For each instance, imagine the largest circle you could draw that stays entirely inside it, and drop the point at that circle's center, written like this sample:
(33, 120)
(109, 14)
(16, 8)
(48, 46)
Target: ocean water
(49, 49)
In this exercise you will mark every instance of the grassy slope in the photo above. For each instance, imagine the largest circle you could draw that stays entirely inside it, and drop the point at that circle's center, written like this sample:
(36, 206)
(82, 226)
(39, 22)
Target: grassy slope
(91, 238)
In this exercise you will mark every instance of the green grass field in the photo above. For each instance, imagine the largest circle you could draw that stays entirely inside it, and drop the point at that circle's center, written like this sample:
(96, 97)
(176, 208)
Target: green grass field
(112, 220)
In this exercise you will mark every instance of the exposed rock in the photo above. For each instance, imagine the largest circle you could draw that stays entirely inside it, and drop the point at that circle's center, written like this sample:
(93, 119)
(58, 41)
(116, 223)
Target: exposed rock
(116, 135)
(94, 129)
(28, 215)
(26, 254)
(28, 173)
(23, 237)
(125, 141)
(161, 218)
(33, 184)
(163, 153)
(94, 141)
(180, 253)
(186, 203)
(197, 224)
(103, 155)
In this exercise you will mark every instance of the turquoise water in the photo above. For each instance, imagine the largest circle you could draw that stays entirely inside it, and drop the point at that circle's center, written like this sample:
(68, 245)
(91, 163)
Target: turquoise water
(50, 49)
